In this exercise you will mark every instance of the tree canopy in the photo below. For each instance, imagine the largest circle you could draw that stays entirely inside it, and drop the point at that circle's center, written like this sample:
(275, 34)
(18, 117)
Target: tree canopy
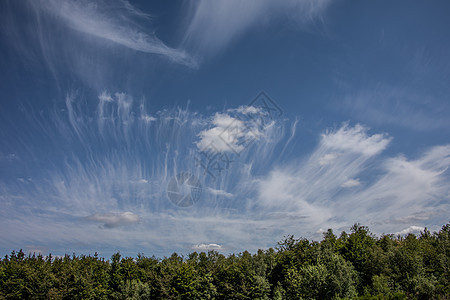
(355, 265)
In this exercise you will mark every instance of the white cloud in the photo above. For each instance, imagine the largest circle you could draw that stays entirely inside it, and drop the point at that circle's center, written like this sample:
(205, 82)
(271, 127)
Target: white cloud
(327, 159)
(227, 134)
(112, 220)
(105, 97)
(82, 37)
(355, 139)
(412, 229)
(133, 10)
(207, 247)
(351, 183)
(147, 119)
(140, 181)
(220, 193)
(245, 109)
(257, 194)
(417, 217)
(319, 187)
(127, 167)
(212, 26)
(406, 107)
(99, 20)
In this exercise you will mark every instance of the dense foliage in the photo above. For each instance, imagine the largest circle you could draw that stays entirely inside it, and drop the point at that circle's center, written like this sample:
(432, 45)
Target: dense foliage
(356, 265)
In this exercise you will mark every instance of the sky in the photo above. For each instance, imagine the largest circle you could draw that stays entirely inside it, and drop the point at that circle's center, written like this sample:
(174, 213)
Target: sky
(157, 127)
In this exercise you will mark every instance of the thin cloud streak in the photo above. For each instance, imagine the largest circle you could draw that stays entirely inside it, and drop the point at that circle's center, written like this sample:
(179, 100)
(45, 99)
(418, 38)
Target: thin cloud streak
(111, 220)
(67, 40)
(92, 18)
(120, 182)
(314, 189)
(213, 26)
(405, 107)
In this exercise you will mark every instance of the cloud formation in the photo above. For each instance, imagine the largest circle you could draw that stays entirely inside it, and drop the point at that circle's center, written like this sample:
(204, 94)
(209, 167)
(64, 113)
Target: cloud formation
(406, 107)
(212, 26)
(354, 139)
(119, 176)
(98, 19)
(220, 193)
(313, 188)
(412, 229)
(228, 134)
(96, 42)
(111, 220)
(84, 149)
(207, 247)
(351, 183)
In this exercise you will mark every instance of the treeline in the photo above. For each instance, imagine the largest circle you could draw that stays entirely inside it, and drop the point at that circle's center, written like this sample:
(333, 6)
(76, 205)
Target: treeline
(355, 265)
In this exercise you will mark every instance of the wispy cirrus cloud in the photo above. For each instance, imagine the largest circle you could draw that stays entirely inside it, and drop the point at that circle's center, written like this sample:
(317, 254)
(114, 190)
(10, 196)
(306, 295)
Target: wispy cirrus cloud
(120, 182)
(320, 192)
(98, 19)
(10, 157)
(400, 106)
(309, 186)
(354, 139)
(86, 39)
(212, 26)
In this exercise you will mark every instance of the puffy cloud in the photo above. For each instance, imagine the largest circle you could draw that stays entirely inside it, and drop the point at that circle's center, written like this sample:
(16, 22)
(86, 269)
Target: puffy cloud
(248, 109)
(351, 183)
(229, 134)
(220, 193)
(355, 139)
(207, 247)
(411, 229)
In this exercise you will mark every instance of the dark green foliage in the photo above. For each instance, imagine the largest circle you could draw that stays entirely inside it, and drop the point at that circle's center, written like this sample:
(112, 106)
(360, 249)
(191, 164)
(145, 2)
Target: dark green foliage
(354, 266)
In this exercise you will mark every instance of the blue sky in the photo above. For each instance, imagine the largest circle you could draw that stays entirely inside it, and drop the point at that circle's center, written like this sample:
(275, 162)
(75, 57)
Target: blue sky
(103, 103)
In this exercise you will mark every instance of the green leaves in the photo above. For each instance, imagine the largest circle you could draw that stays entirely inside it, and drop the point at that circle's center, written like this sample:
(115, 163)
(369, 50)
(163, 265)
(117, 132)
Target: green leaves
(354, 266)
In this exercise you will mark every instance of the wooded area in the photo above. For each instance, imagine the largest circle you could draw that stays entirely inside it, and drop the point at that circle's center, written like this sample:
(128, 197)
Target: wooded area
(355, 265)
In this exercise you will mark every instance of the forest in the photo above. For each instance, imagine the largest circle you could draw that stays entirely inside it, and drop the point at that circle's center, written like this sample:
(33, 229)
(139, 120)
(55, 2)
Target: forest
(355, 265)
